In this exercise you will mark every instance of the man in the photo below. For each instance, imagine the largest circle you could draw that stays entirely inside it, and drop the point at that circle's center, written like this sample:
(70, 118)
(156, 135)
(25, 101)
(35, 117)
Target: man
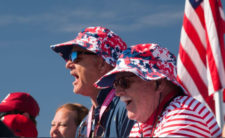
(18, 111)
(145, 79)
(90, 55)
(67, 118)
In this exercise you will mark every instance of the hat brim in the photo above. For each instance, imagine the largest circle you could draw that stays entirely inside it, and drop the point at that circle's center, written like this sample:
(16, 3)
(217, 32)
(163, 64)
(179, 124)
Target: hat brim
(108, 79)
(64, 49)
(6, 108)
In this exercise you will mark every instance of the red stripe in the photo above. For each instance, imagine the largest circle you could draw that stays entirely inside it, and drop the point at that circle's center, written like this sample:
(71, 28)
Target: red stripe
(224, 98)
(194, 37)
(185, 100)
(200, 12)
(185, 114)
(190, 67)
(196, 106)
(202, 110)
(216, 131)
(210, 120)
(193, 125)
(191, 102)
(186, 119)
(181, 134)
(206, 116)
(171, 132)
(219, 24)
(212, 66)
(213, 125)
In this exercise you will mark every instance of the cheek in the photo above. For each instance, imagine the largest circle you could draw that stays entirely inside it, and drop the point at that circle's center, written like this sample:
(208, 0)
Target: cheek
(91, 75)
(69, 131)
(51, 131)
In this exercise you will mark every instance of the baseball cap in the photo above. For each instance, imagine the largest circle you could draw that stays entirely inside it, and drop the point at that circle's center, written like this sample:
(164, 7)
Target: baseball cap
(148, 61)
(20, 101)
(99, 40)
(20, 125)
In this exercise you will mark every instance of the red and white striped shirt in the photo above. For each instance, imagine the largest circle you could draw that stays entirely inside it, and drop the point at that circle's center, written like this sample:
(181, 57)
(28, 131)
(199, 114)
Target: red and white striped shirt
(184, 116)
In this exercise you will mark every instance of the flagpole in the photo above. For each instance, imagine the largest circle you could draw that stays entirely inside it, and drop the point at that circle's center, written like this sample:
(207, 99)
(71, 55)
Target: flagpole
(218, 97)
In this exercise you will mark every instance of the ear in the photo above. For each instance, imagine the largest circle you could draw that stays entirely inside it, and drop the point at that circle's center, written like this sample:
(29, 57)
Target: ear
(160, 85)
(103, 66)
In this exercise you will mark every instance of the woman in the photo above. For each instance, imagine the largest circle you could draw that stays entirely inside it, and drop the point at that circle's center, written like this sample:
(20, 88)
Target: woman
(67, 118)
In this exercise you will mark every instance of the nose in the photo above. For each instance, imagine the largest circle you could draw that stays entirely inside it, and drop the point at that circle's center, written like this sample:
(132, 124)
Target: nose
(69, 64)
(54, 131)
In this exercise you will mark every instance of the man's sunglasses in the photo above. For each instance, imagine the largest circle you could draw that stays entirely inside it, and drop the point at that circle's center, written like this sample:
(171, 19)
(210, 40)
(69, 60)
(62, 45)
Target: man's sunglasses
(123, 82)
(75, 54)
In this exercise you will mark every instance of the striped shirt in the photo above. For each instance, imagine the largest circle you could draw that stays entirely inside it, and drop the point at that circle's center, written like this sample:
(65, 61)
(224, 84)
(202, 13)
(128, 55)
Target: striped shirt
(184, 116)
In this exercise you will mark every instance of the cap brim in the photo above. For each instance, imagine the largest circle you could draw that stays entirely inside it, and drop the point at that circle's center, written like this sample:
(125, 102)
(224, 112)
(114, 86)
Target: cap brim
(6, 108)
(64, 49)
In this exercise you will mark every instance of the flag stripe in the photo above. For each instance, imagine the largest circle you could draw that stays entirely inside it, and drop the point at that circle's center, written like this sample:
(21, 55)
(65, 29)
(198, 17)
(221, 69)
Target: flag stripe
(201, 58)
(186, 45)
(192, 34)
(196, 21)
(213, 52)
(191, 68)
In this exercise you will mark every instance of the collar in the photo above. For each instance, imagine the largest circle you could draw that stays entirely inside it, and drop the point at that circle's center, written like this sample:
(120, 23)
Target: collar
(102, 95)
(161, 107)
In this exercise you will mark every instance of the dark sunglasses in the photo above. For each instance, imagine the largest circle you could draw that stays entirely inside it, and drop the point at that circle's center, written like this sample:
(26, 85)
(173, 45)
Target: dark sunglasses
(74, 54)
(123, 82)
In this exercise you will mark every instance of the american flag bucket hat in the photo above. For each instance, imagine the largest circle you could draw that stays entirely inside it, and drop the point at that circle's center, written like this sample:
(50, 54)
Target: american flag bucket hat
(148, 61)
(99, 40)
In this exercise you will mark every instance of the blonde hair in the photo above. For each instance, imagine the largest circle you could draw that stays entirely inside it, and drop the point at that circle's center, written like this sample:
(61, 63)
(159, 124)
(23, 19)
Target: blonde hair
(81, 111)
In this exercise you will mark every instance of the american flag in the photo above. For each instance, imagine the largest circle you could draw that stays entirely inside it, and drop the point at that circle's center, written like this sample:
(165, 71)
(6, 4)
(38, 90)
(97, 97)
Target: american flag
(201, 58)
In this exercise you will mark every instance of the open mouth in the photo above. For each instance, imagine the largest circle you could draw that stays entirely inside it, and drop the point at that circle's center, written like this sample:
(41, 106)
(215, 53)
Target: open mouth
(75, 77)
(126, 99)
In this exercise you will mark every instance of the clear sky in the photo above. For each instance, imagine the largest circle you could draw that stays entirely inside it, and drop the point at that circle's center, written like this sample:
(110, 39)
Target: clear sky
(28, 28)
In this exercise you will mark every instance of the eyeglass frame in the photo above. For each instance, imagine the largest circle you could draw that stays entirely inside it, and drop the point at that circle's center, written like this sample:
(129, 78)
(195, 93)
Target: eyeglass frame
(123, 82)
(74, 55)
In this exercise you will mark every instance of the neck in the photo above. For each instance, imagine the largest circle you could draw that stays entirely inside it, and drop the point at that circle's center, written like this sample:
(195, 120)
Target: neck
(94, 99)
(94, 102)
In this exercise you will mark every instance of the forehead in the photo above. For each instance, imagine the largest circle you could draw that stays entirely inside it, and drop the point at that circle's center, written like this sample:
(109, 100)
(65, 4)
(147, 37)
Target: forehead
(65, 114)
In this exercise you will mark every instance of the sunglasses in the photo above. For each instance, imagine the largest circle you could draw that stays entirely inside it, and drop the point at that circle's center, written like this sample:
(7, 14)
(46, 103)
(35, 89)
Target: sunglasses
(123, 82)
(75, 54)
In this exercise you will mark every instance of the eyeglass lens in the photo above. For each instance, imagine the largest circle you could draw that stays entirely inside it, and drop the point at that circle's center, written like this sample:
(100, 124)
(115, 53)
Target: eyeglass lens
(123, 82)
(73, 56)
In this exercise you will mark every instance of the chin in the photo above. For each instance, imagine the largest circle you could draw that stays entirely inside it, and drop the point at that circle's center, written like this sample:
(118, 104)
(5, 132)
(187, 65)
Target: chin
(76, 91)
(131, 115)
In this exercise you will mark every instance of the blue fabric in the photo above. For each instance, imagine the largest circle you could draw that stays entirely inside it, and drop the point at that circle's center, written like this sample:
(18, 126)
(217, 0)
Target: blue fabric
(114, 121)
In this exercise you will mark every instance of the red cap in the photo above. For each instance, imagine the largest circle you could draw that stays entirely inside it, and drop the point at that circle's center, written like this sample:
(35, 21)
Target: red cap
(20, 101)
(20, 125)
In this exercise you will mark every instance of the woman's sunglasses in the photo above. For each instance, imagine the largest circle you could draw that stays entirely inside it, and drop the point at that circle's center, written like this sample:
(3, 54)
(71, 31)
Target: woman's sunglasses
(75, 54)
(123, 82)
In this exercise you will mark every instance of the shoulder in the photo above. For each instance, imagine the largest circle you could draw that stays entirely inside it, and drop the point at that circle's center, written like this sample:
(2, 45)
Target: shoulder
(118, 105)
(185, 113)
(188, 107)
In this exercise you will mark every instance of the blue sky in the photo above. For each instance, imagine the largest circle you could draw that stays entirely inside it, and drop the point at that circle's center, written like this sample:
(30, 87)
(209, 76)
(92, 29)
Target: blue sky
(28, 28)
